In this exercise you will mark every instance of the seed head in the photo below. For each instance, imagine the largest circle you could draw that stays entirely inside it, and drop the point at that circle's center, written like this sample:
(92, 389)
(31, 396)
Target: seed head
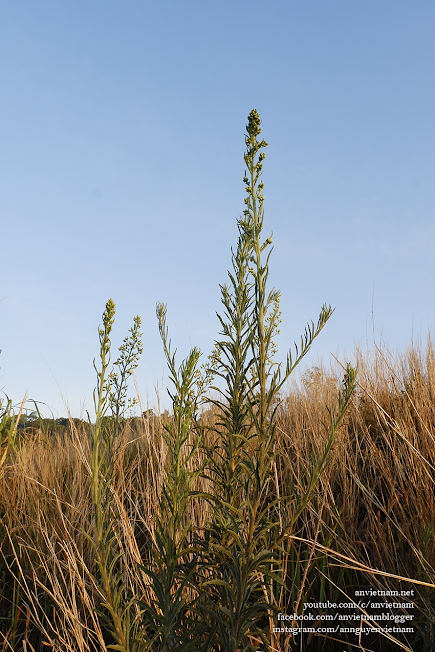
(253, 126)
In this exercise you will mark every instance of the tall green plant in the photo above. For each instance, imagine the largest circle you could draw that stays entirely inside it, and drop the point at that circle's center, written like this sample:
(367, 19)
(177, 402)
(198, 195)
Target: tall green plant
(243, 542)
(110, 392)
(171, 617)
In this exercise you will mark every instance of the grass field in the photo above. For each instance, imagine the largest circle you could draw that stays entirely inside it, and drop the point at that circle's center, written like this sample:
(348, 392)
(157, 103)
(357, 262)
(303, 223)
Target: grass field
(371, 515)
(242, 516)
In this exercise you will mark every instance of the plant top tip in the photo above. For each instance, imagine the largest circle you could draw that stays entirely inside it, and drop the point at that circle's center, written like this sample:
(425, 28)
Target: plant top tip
(253, 127)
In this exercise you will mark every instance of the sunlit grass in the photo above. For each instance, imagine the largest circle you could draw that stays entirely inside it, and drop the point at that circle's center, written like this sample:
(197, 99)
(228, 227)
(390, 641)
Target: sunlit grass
(376, 500)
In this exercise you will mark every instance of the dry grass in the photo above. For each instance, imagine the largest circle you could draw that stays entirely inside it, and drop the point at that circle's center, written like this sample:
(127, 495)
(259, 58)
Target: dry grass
(375, 505)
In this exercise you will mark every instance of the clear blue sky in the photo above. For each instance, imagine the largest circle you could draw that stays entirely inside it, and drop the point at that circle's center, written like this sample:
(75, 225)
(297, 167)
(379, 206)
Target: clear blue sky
(121, 166)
